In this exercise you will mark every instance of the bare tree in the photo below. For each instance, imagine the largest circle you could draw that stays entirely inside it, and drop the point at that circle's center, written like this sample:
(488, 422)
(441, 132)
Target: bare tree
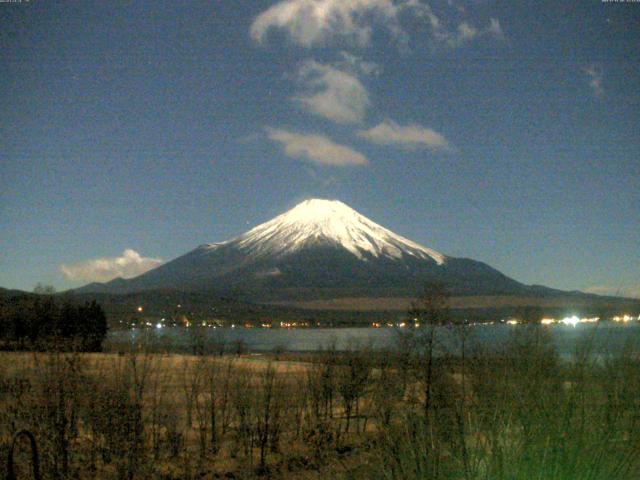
(352, 382)
(266, 411)
(429, 311)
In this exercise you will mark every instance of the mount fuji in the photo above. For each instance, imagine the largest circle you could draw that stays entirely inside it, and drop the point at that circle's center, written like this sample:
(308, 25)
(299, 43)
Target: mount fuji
(318, 249)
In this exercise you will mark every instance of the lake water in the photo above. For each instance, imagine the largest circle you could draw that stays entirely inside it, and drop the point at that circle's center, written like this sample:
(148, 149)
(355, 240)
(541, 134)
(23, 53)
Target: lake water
(604, 337)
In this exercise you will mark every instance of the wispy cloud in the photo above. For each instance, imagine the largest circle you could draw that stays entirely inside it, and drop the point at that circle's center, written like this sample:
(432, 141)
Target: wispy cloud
(357, 65)
(129, 264)
(466, 32)
(594, 75)
(316, 22)
(316, 148)
(332, 93)
(444, 31)
(494, 27)
(629, 291)
(411, 136)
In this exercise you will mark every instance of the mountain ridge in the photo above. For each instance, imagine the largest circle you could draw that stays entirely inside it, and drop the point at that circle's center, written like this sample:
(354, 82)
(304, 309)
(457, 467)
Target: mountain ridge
(318, 248)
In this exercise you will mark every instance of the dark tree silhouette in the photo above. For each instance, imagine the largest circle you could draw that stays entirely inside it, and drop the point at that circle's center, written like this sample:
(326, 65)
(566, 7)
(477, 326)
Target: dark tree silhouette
(41, 322)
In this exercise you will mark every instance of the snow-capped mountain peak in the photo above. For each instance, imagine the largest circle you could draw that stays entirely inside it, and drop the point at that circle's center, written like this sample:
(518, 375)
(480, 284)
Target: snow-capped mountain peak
(317, 222)
(318, 249)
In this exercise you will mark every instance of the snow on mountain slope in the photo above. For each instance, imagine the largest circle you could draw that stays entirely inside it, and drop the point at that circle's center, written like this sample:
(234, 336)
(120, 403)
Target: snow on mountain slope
(321, 222)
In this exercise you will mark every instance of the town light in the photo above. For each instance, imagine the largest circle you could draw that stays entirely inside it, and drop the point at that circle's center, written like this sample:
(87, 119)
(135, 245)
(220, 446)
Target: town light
(573, 321)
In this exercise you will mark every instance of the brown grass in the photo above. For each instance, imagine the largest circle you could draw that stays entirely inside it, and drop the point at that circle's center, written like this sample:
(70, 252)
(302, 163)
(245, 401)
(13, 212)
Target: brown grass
(519, 414)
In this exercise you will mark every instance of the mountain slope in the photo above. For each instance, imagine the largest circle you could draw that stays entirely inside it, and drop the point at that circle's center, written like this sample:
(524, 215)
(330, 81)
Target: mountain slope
(320, 248)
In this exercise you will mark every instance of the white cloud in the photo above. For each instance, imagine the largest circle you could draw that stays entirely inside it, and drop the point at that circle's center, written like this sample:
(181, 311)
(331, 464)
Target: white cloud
(316, 148)
(632, 291)
(332, 93)
(129, 264)
(316, 22)
(357, 65)
(594, 75)
(495, 28)
(466, 32)
(410, 136)
(310, 23)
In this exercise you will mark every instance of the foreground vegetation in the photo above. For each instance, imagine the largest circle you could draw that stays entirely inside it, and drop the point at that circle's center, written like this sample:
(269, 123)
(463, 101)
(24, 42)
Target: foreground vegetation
(517, 412)
(43, 321)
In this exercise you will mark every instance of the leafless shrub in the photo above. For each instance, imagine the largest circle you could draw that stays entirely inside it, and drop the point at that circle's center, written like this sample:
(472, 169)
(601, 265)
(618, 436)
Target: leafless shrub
(352, 381)
(267, 412)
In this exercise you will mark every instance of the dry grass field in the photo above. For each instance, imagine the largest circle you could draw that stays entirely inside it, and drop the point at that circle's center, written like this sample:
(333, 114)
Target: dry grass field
(407, 413)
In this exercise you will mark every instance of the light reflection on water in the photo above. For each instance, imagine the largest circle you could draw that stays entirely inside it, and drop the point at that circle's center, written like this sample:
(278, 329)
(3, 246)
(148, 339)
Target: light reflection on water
(602, 337)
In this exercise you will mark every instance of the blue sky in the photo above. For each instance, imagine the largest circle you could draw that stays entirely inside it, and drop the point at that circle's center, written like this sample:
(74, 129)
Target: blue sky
(507, 132)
